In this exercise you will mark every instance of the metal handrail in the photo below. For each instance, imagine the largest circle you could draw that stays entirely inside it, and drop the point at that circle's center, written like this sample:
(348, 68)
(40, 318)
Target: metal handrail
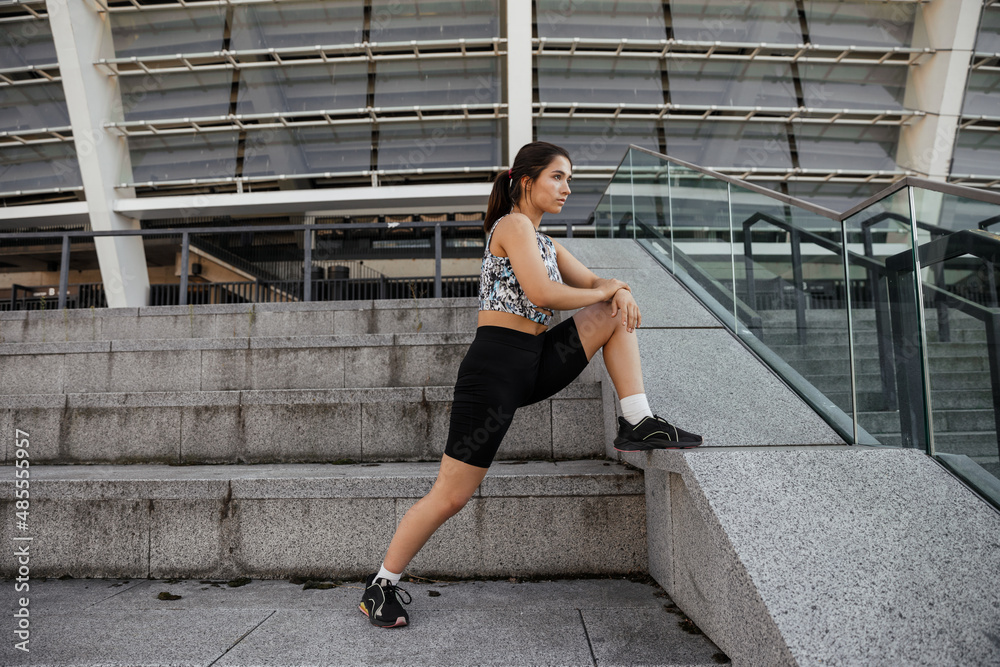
(912, 181)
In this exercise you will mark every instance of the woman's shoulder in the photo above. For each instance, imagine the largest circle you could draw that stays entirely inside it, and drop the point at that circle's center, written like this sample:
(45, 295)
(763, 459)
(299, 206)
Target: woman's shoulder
(513, 223)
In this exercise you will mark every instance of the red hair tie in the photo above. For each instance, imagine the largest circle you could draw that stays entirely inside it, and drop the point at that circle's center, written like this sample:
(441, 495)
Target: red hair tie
(510, 175)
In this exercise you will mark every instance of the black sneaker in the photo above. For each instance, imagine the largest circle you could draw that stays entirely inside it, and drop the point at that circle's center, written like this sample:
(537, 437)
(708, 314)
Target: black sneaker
(653, 433)
(381, 603)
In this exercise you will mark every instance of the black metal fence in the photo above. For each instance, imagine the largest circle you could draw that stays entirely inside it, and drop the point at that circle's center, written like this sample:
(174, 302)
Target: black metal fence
(291, 277)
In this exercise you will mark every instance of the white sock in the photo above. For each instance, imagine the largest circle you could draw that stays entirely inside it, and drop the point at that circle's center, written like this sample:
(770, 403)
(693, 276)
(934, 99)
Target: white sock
(386, 574)
(635, 408)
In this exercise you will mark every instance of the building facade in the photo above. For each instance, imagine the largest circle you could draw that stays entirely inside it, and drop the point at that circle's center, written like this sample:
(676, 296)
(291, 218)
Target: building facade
(126, 113)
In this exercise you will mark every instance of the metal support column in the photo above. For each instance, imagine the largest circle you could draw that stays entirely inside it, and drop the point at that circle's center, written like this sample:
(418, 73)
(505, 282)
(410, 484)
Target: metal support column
(437, 261)
(64, 272)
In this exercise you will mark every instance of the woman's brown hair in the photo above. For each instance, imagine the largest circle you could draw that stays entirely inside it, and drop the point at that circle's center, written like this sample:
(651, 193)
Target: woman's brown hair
(531, 161)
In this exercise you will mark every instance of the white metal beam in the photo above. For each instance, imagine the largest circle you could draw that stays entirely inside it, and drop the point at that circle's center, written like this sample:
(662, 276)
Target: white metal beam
(393, 199)
(519, 76)
(82, 36)
(41, 215)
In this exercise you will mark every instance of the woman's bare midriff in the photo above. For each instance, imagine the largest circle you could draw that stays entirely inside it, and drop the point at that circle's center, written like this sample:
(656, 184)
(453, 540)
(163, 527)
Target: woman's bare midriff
(496, 318)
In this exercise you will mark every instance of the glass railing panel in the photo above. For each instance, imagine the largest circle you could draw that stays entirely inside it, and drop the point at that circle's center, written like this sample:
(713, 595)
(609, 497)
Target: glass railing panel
(617, 201)
(792, 302)
(694, 238)
(651, 201)
(939, 213)
(887, 336)
(962, 315)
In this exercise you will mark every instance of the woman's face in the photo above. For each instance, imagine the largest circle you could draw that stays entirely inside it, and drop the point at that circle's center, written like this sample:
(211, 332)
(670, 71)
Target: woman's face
(549, 191)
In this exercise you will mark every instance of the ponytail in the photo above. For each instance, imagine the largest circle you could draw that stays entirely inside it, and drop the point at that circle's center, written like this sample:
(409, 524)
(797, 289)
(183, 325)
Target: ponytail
(531, 161)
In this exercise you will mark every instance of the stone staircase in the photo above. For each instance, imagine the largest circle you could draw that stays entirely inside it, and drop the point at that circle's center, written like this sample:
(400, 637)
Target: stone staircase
(275, 439)
(961, 392)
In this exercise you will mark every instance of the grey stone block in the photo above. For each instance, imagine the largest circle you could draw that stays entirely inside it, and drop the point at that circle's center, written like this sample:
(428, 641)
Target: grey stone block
(406, 428)
(226, 370)
(451, 303)
(68, 325)
(301, 431)
(305, 481)
(158, 637)
(355, 321)
(530, 433)
(186, 537)
(120, 434)
(198, 310)
(461, 338)
(296, 323)
(417, 316)
(498, 537)
(695, 378)
(212, 434)
(651, 637)
(286, 342)
(577, 428)
(662, 302)
(30, 374)
(340, 480)
(152, 399)
(715, 590)
(43, 426)
(597, 254)
(163, 370)
(403, 365)
(103, 538)
(60, 347)
(310, 306)
(294, 368)
(160, 326)
(173, 344)
(515, 637)
(659, 526)
(311, 536)
(560, 478)
(802, 555)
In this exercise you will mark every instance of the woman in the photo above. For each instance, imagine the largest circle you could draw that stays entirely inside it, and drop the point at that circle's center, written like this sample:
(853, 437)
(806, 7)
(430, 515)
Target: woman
(515, 360)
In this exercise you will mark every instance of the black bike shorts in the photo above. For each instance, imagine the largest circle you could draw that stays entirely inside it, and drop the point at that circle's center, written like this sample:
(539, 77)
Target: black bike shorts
(504, 370)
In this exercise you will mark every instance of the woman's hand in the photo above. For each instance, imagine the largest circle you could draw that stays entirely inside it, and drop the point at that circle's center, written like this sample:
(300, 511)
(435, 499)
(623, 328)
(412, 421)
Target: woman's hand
(609, 286)
(624, 305)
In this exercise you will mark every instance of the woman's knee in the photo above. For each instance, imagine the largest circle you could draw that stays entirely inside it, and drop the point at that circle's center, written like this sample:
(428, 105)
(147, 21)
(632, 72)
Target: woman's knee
(452, 503)
(596, 325)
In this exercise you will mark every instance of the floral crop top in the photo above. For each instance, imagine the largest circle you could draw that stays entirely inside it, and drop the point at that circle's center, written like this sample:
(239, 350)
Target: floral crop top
(498, 286)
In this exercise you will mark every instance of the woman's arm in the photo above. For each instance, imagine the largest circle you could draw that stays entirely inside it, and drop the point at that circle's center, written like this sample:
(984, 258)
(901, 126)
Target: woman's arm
(577, 275)
(516, 237)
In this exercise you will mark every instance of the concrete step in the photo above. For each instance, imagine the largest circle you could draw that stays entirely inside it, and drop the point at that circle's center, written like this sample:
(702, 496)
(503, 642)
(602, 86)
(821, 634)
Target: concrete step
(232, 364)
(863, 318)
(283, 624)
(946, 399)
(944, 421)
(273, 521)
(940, 381)
(322, 318)
(868, 352)
(286, 425)
(972, 443)
(938, 365)
(823, 337)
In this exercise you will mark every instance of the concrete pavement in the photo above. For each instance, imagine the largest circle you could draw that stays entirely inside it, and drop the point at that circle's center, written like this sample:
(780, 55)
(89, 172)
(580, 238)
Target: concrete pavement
(89, 622)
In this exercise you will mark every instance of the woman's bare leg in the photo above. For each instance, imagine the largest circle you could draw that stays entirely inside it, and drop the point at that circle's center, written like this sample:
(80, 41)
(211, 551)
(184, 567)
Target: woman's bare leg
(621, 348)
(455, 484)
